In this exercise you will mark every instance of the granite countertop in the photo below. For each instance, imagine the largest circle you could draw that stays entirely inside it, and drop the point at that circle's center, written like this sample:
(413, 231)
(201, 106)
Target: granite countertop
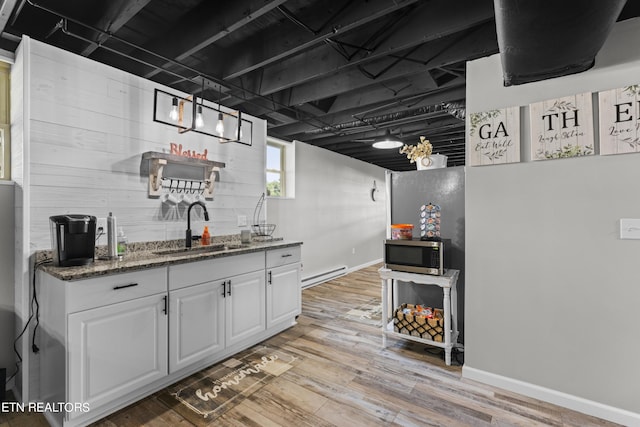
(146, 255)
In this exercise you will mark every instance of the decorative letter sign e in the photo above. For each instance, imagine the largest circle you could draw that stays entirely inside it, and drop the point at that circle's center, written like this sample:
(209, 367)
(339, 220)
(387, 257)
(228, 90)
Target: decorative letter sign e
(562, 127)
(494, 137)
(620, 120)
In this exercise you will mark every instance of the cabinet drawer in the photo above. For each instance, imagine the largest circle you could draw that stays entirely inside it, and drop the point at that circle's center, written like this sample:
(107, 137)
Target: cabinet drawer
(194, 273)
(106, 290)
(278, 257)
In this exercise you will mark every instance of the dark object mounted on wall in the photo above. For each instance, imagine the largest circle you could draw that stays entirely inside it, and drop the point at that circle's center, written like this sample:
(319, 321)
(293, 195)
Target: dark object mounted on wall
(544, 39)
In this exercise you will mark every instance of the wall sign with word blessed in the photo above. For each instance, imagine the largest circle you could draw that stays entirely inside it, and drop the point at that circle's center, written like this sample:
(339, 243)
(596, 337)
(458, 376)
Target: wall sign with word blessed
(620, 120)
(562, 127)
(494, 137)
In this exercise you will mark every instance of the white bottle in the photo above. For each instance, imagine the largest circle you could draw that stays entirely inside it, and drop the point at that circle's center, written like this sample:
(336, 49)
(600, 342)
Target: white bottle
(112, 237)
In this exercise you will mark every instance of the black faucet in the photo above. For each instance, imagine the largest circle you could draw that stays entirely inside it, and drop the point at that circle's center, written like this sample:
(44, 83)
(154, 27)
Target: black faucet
(187, 241)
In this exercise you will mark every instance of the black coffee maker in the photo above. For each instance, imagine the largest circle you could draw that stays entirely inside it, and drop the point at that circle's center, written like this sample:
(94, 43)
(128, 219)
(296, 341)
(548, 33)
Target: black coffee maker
(73, 239)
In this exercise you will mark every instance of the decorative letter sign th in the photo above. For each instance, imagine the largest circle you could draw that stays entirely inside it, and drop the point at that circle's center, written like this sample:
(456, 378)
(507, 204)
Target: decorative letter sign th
(620, 120)
(494, 137)
(562, 127)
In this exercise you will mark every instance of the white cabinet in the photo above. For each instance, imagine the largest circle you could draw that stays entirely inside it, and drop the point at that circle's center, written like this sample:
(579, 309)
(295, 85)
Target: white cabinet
(283, 285)
(245, 306)
(111, 339)
(207, 318)
(102, 338)
(196, 323)
(214, 306)
(116, 349)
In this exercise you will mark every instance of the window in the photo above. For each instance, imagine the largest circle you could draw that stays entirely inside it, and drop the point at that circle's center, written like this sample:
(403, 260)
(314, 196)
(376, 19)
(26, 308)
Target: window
(275, 170)
(280, 168)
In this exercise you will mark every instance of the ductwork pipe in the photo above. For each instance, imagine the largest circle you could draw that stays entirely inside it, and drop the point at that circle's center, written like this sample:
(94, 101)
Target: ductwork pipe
(543, 39)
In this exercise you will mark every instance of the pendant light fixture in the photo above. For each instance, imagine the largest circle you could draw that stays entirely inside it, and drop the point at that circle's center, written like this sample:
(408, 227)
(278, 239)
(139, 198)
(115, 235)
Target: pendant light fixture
(173, 114)
(387, 142)
(220, 124)
(199, 118)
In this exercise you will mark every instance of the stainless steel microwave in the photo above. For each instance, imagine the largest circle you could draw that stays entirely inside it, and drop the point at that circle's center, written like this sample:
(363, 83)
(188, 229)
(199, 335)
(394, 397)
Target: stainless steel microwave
(417, 256)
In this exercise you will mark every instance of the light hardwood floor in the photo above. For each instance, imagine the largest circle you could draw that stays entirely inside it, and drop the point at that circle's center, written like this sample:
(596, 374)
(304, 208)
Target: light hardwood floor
(345, 378)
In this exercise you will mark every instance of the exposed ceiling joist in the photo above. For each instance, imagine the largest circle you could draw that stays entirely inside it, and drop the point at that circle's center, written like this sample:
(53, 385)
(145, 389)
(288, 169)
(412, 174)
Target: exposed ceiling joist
(204, 27)
(333, 74)
(288, 38)
(430, 21)
(118, 13)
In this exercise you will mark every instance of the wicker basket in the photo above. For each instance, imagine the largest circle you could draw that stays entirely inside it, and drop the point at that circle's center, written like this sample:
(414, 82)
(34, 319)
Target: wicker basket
(419, 326)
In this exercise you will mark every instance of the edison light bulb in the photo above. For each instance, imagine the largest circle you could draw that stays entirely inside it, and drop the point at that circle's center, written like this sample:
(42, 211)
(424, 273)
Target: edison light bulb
(173, 114)
(199, 119)
(220, 125)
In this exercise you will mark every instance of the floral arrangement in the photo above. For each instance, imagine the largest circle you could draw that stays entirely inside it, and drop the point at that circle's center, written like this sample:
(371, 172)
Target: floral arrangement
(415, 152)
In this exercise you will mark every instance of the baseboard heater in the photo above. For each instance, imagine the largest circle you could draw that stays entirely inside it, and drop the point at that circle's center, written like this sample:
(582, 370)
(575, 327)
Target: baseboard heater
(324, 277)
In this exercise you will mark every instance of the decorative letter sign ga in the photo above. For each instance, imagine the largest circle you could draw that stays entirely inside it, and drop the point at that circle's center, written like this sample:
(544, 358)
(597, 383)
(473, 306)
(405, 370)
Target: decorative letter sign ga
(494, 137)
(562, 127)
(620, 120)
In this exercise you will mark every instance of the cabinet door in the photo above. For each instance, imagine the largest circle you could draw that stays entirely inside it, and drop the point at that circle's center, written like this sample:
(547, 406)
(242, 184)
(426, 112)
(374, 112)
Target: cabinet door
(283, 293)
(244, 306)
(196, 324)
(116, 349)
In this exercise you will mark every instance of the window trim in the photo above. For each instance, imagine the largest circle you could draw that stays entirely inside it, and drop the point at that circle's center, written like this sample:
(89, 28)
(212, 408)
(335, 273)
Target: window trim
(283, 168)
(287, 165)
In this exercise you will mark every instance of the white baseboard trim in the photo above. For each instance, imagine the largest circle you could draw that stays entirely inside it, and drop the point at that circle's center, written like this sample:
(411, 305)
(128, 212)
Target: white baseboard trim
(365, 265)
(589, 407)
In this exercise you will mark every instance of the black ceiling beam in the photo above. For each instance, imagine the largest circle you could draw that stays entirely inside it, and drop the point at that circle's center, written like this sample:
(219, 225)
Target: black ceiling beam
(405, 133)
(439, 53)
(392, 92)
(118, 13)
(356, 150)
(385, 100)
(287, 38)
(204, 26)
(430, 21)
(451, 92)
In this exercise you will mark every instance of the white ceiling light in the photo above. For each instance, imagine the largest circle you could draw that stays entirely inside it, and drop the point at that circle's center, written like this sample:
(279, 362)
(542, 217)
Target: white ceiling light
(388, 142)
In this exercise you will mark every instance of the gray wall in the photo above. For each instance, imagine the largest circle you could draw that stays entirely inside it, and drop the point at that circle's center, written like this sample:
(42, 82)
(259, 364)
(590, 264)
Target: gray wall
(552, 292)
(332, 212)
(7, 244)
(445, 187)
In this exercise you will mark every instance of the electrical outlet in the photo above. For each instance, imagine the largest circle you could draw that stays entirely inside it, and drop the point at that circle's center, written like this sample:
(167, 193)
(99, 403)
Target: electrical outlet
(353, 251)
(629, 228)
(242, 220)
(101, 228)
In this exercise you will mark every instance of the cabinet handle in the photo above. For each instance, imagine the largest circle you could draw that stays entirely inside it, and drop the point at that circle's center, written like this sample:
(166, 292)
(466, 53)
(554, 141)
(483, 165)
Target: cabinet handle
(229, 290)
(224, 289)
(269, 281)
(164, 309)
(130, 285)
(286, 255)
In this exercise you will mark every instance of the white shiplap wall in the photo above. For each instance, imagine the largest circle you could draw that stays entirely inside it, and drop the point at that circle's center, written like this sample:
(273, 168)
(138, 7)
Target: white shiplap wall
(19, 174)
(89, 126)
